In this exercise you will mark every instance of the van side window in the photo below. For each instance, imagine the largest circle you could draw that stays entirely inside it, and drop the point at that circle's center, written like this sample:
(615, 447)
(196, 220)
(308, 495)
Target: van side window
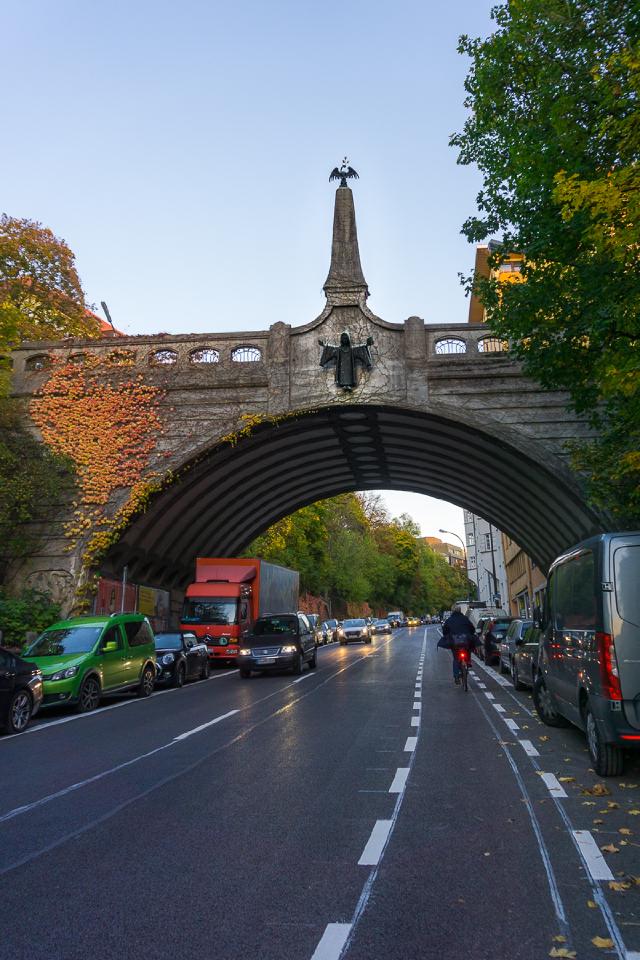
(304, 624)
(112, 635)
(573, 600)
(138, 633)
(626, 570)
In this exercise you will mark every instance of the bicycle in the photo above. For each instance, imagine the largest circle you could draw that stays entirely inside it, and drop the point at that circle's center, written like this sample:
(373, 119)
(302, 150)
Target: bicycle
(462, 656)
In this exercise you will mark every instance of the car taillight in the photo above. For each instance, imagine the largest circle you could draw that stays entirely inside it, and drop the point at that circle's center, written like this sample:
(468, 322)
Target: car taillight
(609, 666)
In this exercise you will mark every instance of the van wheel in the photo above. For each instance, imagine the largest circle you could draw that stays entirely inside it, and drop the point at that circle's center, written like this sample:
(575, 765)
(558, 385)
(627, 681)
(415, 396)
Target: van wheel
(147, 681)
(299, 665)
(545, 705)
(608, 761)
(89, 696)
(515, 678)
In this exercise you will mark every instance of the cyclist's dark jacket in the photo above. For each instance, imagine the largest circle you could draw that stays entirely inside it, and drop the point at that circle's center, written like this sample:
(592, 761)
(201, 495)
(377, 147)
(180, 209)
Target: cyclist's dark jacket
(458, 625)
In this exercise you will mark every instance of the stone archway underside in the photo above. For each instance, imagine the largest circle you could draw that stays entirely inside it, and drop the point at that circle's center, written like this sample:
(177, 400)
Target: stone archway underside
(234, 493)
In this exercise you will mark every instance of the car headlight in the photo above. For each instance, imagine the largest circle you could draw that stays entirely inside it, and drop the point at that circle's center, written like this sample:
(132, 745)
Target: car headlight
(244, 652)
(167, 658)
(289, 648)
(340, 632)
(64, 674)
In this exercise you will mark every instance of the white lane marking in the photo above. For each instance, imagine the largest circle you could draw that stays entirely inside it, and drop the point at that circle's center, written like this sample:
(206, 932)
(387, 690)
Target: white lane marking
(410, 745)
(482, 686)
(203, 726)
(375, 844)
(528, 748)
(332, 941)
(511, 724)
(595, 862)
(305, 676)
(554, 786)
(418, 694)
(400, 780)
(415, 721)
(498, 707)
(489, 695)
(417, 705)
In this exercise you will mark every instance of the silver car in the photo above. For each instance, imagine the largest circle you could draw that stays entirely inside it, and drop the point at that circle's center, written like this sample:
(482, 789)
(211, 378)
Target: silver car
(354, 630)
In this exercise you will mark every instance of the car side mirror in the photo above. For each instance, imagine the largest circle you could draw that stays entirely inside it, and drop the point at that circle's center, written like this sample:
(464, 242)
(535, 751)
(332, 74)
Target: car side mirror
(188, 644)
(110, 647)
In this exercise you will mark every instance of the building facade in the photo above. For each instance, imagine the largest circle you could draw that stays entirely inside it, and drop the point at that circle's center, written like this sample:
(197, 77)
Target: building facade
(526, 583)
(454, 555)
(485, 560)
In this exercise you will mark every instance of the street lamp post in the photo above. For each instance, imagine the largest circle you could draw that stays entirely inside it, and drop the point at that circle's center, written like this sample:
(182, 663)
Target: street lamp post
(464, 551)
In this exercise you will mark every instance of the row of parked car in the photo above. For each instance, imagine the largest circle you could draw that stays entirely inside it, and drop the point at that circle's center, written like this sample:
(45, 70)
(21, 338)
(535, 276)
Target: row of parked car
(582, 657)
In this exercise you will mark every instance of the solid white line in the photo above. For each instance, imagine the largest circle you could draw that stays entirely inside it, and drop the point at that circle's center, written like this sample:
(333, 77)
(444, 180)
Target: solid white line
(528, 748)
(375, 844)
(400, 780)
(332, 941)
(410, 745)
(511, 724)
(305, 676)
(415, 721)
(489, 696)
(203, 726)
(595, 862)
(498, 707)
(555, 787)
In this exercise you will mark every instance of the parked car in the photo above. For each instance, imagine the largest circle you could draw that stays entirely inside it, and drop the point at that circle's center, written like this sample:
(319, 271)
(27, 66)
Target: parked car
(180, 656)
(332, 630)
(355, 629)
(512, 638)
(282, 641)
(493, 633)
(20, 691)
(381, 626)
(524, 664)
(316, 626)
(84, 658)
(589, 671)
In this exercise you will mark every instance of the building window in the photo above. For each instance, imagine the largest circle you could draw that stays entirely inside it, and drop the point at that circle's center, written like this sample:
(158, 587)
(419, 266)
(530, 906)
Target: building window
(471, 562)
(205, 355)
(41, 361)
(488, 542)
(492, 345)
(163, 358)
(451, 345)
(470, 540)
(246, 355)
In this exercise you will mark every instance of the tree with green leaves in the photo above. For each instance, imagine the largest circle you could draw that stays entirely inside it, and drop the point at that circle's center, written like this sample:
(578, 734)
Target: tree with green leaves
(554, 128)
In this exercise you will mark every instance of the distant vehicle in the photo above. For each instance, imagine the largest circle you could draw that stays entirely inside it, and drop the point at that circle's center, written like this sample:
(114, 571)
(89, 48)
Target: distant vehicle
(512, 640)
(180, 657)
(281, 641)
(356, 629)
(476, 614)
(413, 621)
(380, 626)
(395, 617)
(493, 633)
(84, 658)
(332, 630)
(524, 664)
(229, 594)
(589, 669)
(20, 692)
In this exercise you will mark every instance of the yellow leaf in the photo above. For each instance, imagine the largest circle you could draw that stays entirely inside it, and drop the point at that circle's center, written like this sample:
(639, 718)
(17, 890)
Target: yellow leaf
(559, 939)
(609, 848)
(592, 904)
(602, 942)
(619, 885)
(562, 952)
(543, 739)
(567, 779)
(598, 821)
(625, 831)
(634, 813)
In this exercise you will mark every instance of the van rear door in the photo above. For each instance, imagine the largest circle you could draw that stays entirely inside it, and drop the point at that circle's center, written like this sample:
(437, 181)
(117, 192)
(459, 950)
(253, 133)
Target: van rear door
(625, 620)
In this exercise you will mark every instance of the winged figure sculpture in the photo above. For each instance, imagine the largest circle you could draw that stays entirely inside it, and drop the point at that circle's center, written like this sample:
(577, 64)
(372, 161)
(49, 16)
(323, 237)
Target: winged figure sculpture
(343, 173)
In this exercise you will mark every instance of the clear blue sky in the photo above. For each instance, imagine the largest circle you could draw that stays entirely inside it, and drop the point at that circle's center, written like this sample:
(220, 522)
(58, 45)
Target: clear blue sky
(183, 151)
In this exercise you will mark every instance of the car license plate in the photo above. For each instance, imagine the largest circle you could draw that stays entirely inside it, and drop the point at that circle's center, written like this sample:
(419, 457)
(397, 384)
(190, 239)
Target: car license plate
(266, 660)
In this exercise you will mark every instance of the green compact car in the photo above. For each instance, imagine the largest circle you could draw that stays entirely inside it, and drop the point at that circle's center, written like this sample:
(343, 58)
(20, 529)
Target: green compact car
(86, 658)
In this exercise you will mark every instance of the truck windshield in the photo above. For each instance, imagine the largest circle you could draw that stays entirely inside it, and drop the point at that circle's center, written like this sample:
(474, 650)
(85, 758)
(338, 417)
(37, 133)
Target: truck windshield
(218, 611)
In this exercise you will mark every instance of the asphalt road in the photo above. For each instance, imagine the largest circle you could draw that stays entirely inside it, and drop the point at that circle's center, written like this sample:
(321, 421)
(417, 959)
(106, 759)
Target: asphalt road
(368, 809)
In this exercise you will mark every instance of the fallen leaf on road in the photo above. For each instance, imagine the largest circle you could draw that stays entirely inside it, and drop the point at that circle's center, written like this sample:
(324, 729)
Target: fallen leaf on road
(634, 880)
(602, 942)
(597, 790)
(625, 831)
(613, 805)
(598, 821)
(609, 848)
(543, 739)
(487, 854)
(592, 904)
(562, 952)
(588, 803)
(619, 885)
(559, 939)
(628, 786)
(567, 779)
(634, 813)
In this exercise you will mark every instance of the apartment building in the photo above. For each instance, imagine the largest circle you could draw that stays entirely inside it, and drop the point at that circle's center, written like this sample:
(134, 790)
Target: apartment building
(526, 583)
(485, 559)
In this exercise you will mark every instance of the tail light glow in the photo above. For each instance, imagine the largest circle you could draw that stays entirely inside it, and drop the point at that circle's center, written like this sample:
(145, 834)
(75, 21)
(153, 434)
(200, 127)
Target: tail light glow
(609, 666)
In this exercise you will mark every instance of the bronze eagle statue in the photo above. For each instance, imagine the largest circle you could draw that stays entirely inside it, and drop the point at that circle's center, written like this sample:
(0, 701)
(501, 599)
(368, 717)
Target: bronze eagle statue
(343, 173)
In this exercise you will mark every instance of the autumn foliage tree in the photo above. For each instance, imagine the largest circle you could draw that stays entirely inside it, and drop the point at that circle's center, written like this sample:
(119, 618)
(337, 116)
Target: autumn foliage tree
(554, 128)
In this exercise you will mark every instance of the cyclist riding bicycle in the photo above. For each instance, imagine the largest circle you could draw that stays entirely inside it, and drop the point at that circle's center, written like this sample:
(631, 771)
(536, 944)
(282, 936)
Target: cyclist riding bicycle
(458, 633)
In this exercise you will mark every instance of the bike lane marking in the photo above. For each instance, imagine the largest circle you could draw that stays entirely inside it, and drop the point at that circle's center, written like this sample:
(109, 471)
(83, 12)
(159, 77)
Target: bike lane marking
(374, 847)
(332, 941)
(594, 861)
(400, 780)
(529, 748)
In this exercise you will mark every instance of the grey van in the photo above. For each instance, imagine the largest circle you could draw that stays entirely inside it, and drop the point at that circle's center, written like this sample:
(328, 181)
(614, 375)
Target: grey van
(589, 660)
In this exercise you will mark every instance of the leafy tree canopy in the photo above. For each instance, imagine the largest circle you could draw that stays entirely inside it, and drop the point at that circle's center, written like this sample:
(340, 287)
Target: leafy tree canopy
(555, 130)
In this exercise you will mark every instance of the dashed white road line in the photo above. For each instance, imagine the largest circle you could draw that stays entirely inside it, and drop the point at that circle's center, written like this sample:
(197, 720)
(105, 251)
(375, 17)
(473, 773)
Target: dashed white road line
(203, 726)
(528, 748)
(415, 721)
(511, 724)
(332, 942)
(305, 676)
(498, 707)
(595, 862)
(418, 693)
(417, 705)
(554, 786)
(489, 695)
(400, 780)
(375, 844)
(410, 745)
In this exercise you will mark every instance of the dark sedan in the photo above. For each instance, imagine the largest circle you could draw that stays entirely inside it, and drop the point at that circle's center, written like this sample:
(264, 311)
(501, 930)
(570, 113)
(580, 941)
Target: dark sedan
(180, 657)
(20, 691)
(381, 626)
(524, 665)
(282, 641)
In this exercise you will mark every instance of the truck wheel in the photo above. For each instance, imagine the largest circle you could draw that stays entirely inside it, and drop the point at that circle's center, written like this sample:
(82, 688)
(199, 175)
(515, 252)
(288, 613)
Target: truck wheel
(608, 761)
(545, 705)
